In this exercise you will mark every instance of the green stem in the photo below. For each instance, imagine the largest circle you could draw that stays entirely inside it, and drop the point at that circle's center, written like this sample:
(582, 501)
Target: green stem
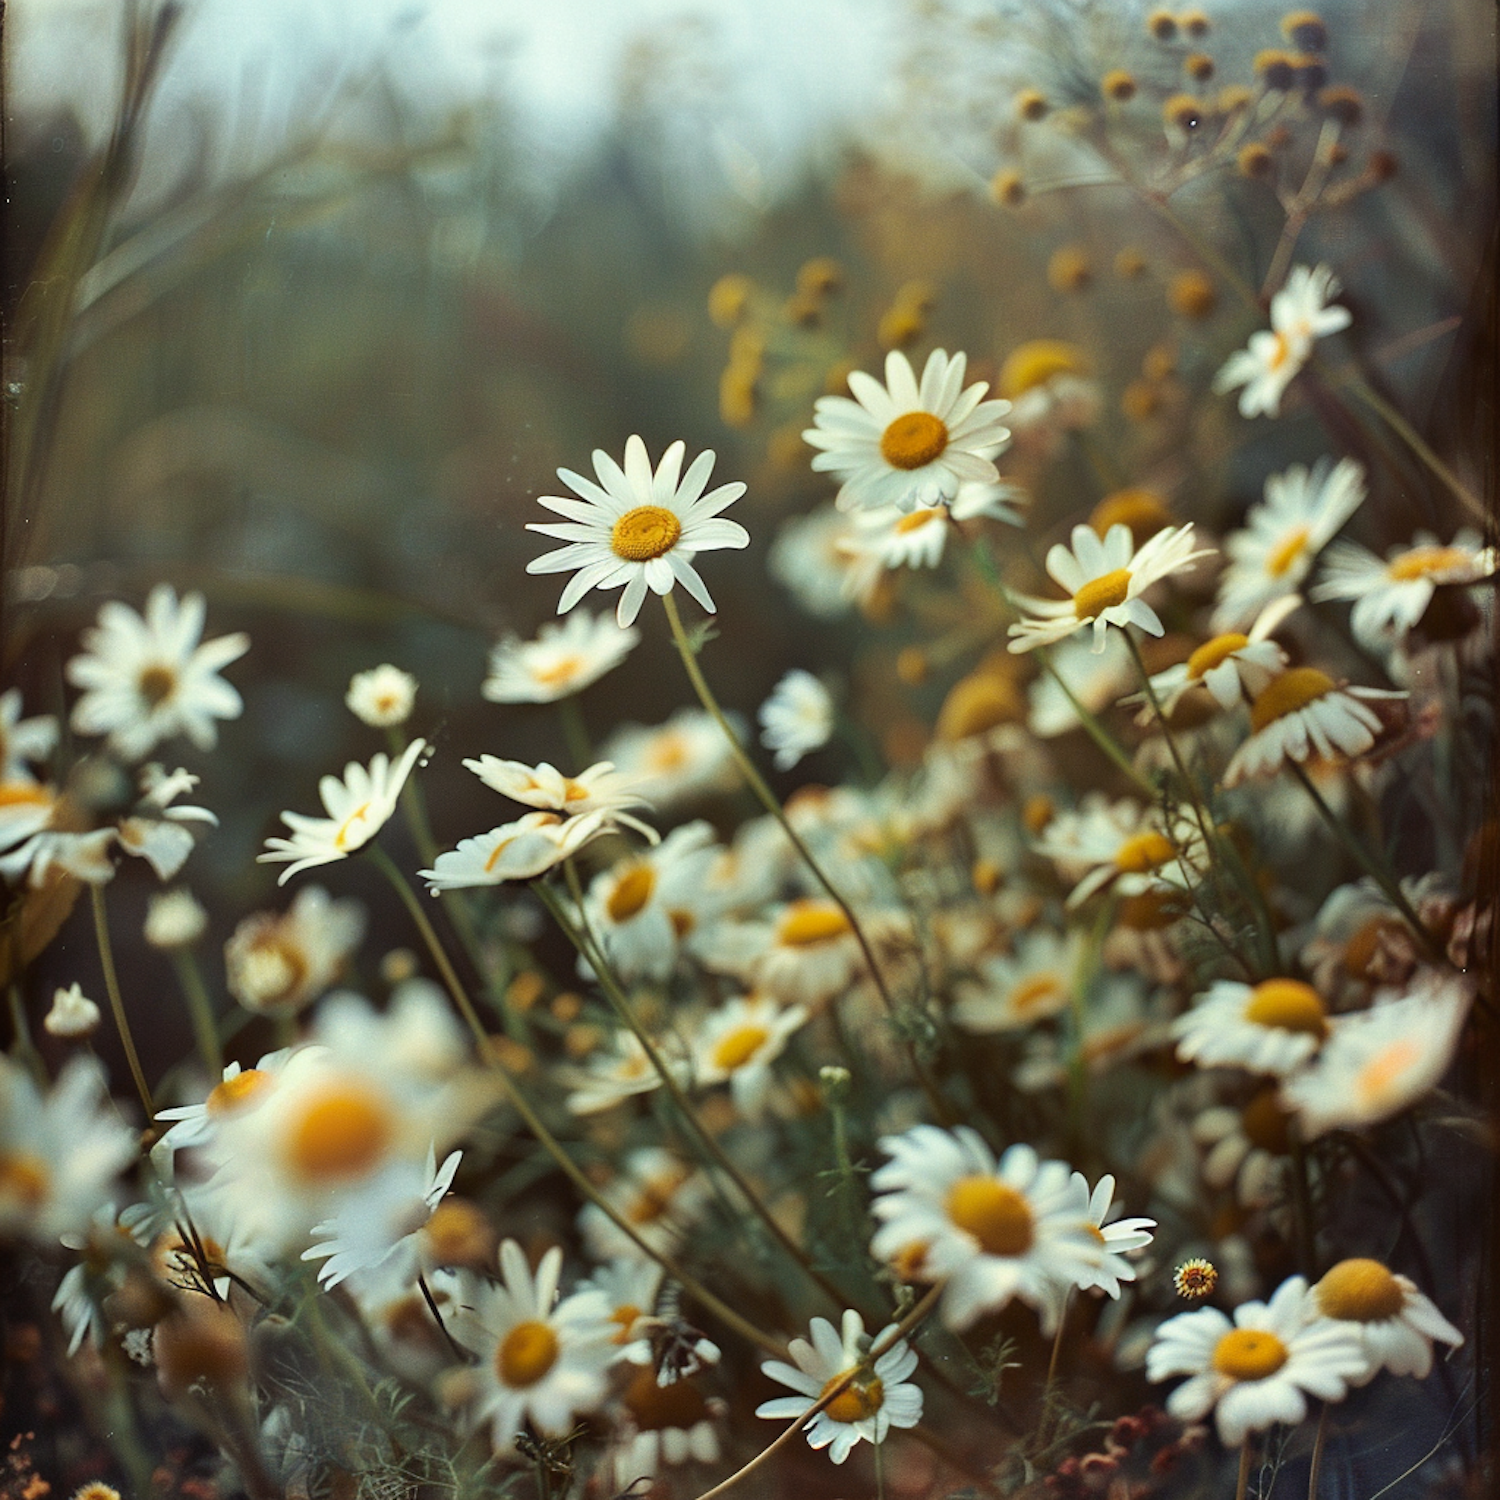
(1316, 1468)
(575, 731)
(200, 1009)
(1095, 730)
(116, 1001)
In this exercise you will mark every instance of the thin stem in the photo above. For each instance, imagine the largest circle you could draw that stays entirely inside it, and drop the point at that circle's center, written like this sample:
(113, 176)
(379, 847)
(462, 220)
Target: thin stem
(200, 1009)
(879, 1470)
(1095, 730)
(1317, 1454)
(1242, 1484)
(1057, 1338)
(454, 1347)
(116, 1001)
(575, 730)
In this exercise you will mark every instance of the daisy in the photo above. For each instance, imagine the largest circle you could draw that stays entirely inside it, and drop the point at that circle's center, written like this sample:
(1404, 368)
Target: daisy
(542, 1360)
(23, 742)
(1230, 668)
(675, 762)
(657, 1194)
(278, 963)
(174, 919)
(737, 1044)
(1302, 512)
(879, 1397)
(1118, 1022)
(1117, 1237)
(805, 954)
(619, 1072)
(990, 1231)
(1022, 988)
(1271, 1027)
(600, 789)
(888, 537)
(797, 718)
(1304, 712)
(1051, 392)
(147, 679)
(237, 1088)
(1396, 1323)
(1300, 314)
(36, 836)
(1391, 597)
(1247, 1147)
(381, 697)
(901, 444)
(637, 530)
(1378, 1062)
(153, 830)
(1260, 1368)
(564, 659)
(357, 808)
(522, 850)
(72, 1014)
(1095, 679)
(1120, 845)
(672, 1424)
(813, 558)
(1104, 580)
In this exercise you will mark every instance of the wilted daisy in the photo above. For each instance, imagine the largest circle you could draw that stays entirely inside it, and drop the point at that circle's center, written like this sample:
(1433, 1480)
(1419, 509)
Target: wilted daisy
(797, 718)
(879, 1397)
(1260, 1368)
(147, 679)
(277, 963)
(1300, 314)
(601, 789)
(23, 742)
(637, 530)
(1301, 713)
(541, 1360)
(1104, 579)
(1303, 510)
(72, 1014)
(1230, 668)
(382, 696)
(675, 762)
(357, 808)
(565, 657)
(1271, 1027)
(1396, 1323)
(1379, 1061)
(989, 1231)
(901, 444)
(1021, 988)
(738, 1042)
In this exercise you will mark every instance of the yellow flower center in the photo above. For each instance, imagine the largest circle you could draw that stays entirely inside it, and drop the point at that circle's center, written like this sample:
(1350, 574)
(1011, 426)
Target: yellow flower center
(1100, 594)
(24, 793)
(668, 752)
(1142, 511)
(625, 1315)
(994, 1213)
(1421, 562)
(737, 1047)
(1143, 852)
(655, 1198)
(1288, 1005)
(1281, 557)
(924, 515)
(564, 669)
(1036, 991)
(525, 1354)
(234, 1093)
(855, 1404)
(644, 533)
(1035, 363)
(156, 684)
(655, 1407)
(1213, 653)
(1293, 690)
(632, 891)
(913, 440)
(1249, 1354)
(342, 1135)
(804, 924)
(1360, 1291)
(1378, 1081)
(352, 832)
(23, 1180)
(1280, 353)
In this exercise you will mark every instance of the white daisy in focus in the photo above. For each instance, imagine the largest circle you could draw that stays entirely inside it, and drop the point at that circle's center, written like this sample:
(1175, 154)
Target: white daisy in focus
(879, 1397)
(1018, 989)
(1271, 1027)
(600, 789)
(797, 718)
(72, 1014)
(1301, 713)
(1378, 1062)
(675, 762)
(357, 808)
(1303, 510)
(1117, 1237)
(908, 445)
(1300, 315)
(278, 963)
(147, 679)
(565, 658)
(1396, 1323)
(381, 697)
(1260, 1368)
(738, 1042)
(1104, 579)
(23, 742)
(637, 530)
(542, 1360)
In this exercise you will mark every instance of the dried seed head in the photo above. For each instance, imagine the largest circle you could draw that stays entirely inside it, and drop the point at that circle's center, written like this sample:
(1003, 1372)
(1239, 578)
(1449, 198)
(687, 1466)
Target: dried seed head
(1304, 29)
(1117, 85)
(1191, 294)
(1007, 189)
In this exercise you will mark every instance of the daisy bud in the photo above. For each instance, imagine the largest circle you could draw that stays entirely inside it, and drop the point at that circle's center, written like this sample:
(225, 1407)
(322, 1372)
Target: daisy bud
(72, 1015)
(174, 919)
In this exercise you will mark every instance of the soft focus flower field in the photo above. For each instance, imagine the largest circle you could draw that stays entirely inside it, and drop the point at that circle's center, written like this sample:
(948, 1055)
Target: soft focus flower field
(847, 853)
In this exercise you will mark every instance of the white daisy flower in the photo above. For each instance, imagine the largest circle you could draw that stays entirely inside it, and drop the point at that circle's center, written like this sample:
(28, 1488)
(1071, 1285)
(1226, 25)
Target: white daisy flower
(147, 679)
(1391, 597)
(1119, 1022)
(99, 1272)
(880, 1396)
(989, 1231)
(1303, 510)
(805, 954)
(238, 1088)
(174, 919)
(620, 1071)
(278, 963)
(72, 1014)
(637, 530)
(888, 537)
(659, 1195)
(675, 762)
(1271, 1027)
(600, 789)
(1104, 579)
(357, 808)
(1123, 846)
(1377, 1062)
(1260, 1368)
(153, 830)
(671, 1424)
(382, 696)
(1396, 1323)
(36, 837)
(812, 556)
(1230, 668)
(1019, 989)
(901, 444)
(1117, 1237)
(543, 1360)
(797, 718)
(564, 659)
(1247, 1147)
(1301, 713)
(738, 1042)
(1300, 315)
(522, 850)
(629, 1288)
(23, 742)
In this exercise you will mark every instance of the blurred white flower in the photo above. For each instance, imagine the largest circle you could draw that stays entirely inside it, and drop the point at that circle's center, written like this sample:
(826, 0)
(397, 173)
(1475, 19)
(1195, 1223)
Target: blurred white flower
(23, 741)
(277, 963)
(564, 658)
(382, 696)
(797, 718)
(72, 1013)
(174, 919)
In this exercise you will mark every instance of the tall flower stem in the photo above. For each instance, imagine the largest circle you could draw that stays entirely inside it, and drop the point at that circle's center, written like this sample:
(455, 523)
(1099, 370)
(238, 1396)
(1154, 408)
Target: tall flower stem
(1242, 1483)
(200, 1009)
(768, 800)
(1315, 1469)
(575, 730)
(116, 1000)
(533, 1121)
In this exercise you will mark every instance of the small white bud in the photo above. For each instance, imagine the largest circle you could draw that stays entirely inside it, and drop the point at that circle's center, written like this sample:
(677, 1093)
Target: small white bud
(174, 919)
(72, 1014)
(381, 697)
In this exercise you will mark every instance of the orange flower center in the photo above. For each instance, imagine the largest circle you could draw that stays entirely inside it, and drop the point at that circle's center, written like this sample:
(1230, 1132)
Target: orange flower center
(1281, 557)
(1249, 1354)
(737, 1047)
(234, 1093)
(924, 515)
(994, 1213)
(1422, 562)
(341, 1135)
(1143, 852)
(156, 684)
(1293, 690)
(625, 1315)
(913, 440)
(644, 533)
(807, 923)
(1288, 1005)
(1100, 594)
(1360, 1291)
(1265, 1123)
(632, 891)
(525, 1354)
(1035, 992)
(1214, 653)
(564, 669)
(23, 1180)
(654, 1407)
(855, 1404)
